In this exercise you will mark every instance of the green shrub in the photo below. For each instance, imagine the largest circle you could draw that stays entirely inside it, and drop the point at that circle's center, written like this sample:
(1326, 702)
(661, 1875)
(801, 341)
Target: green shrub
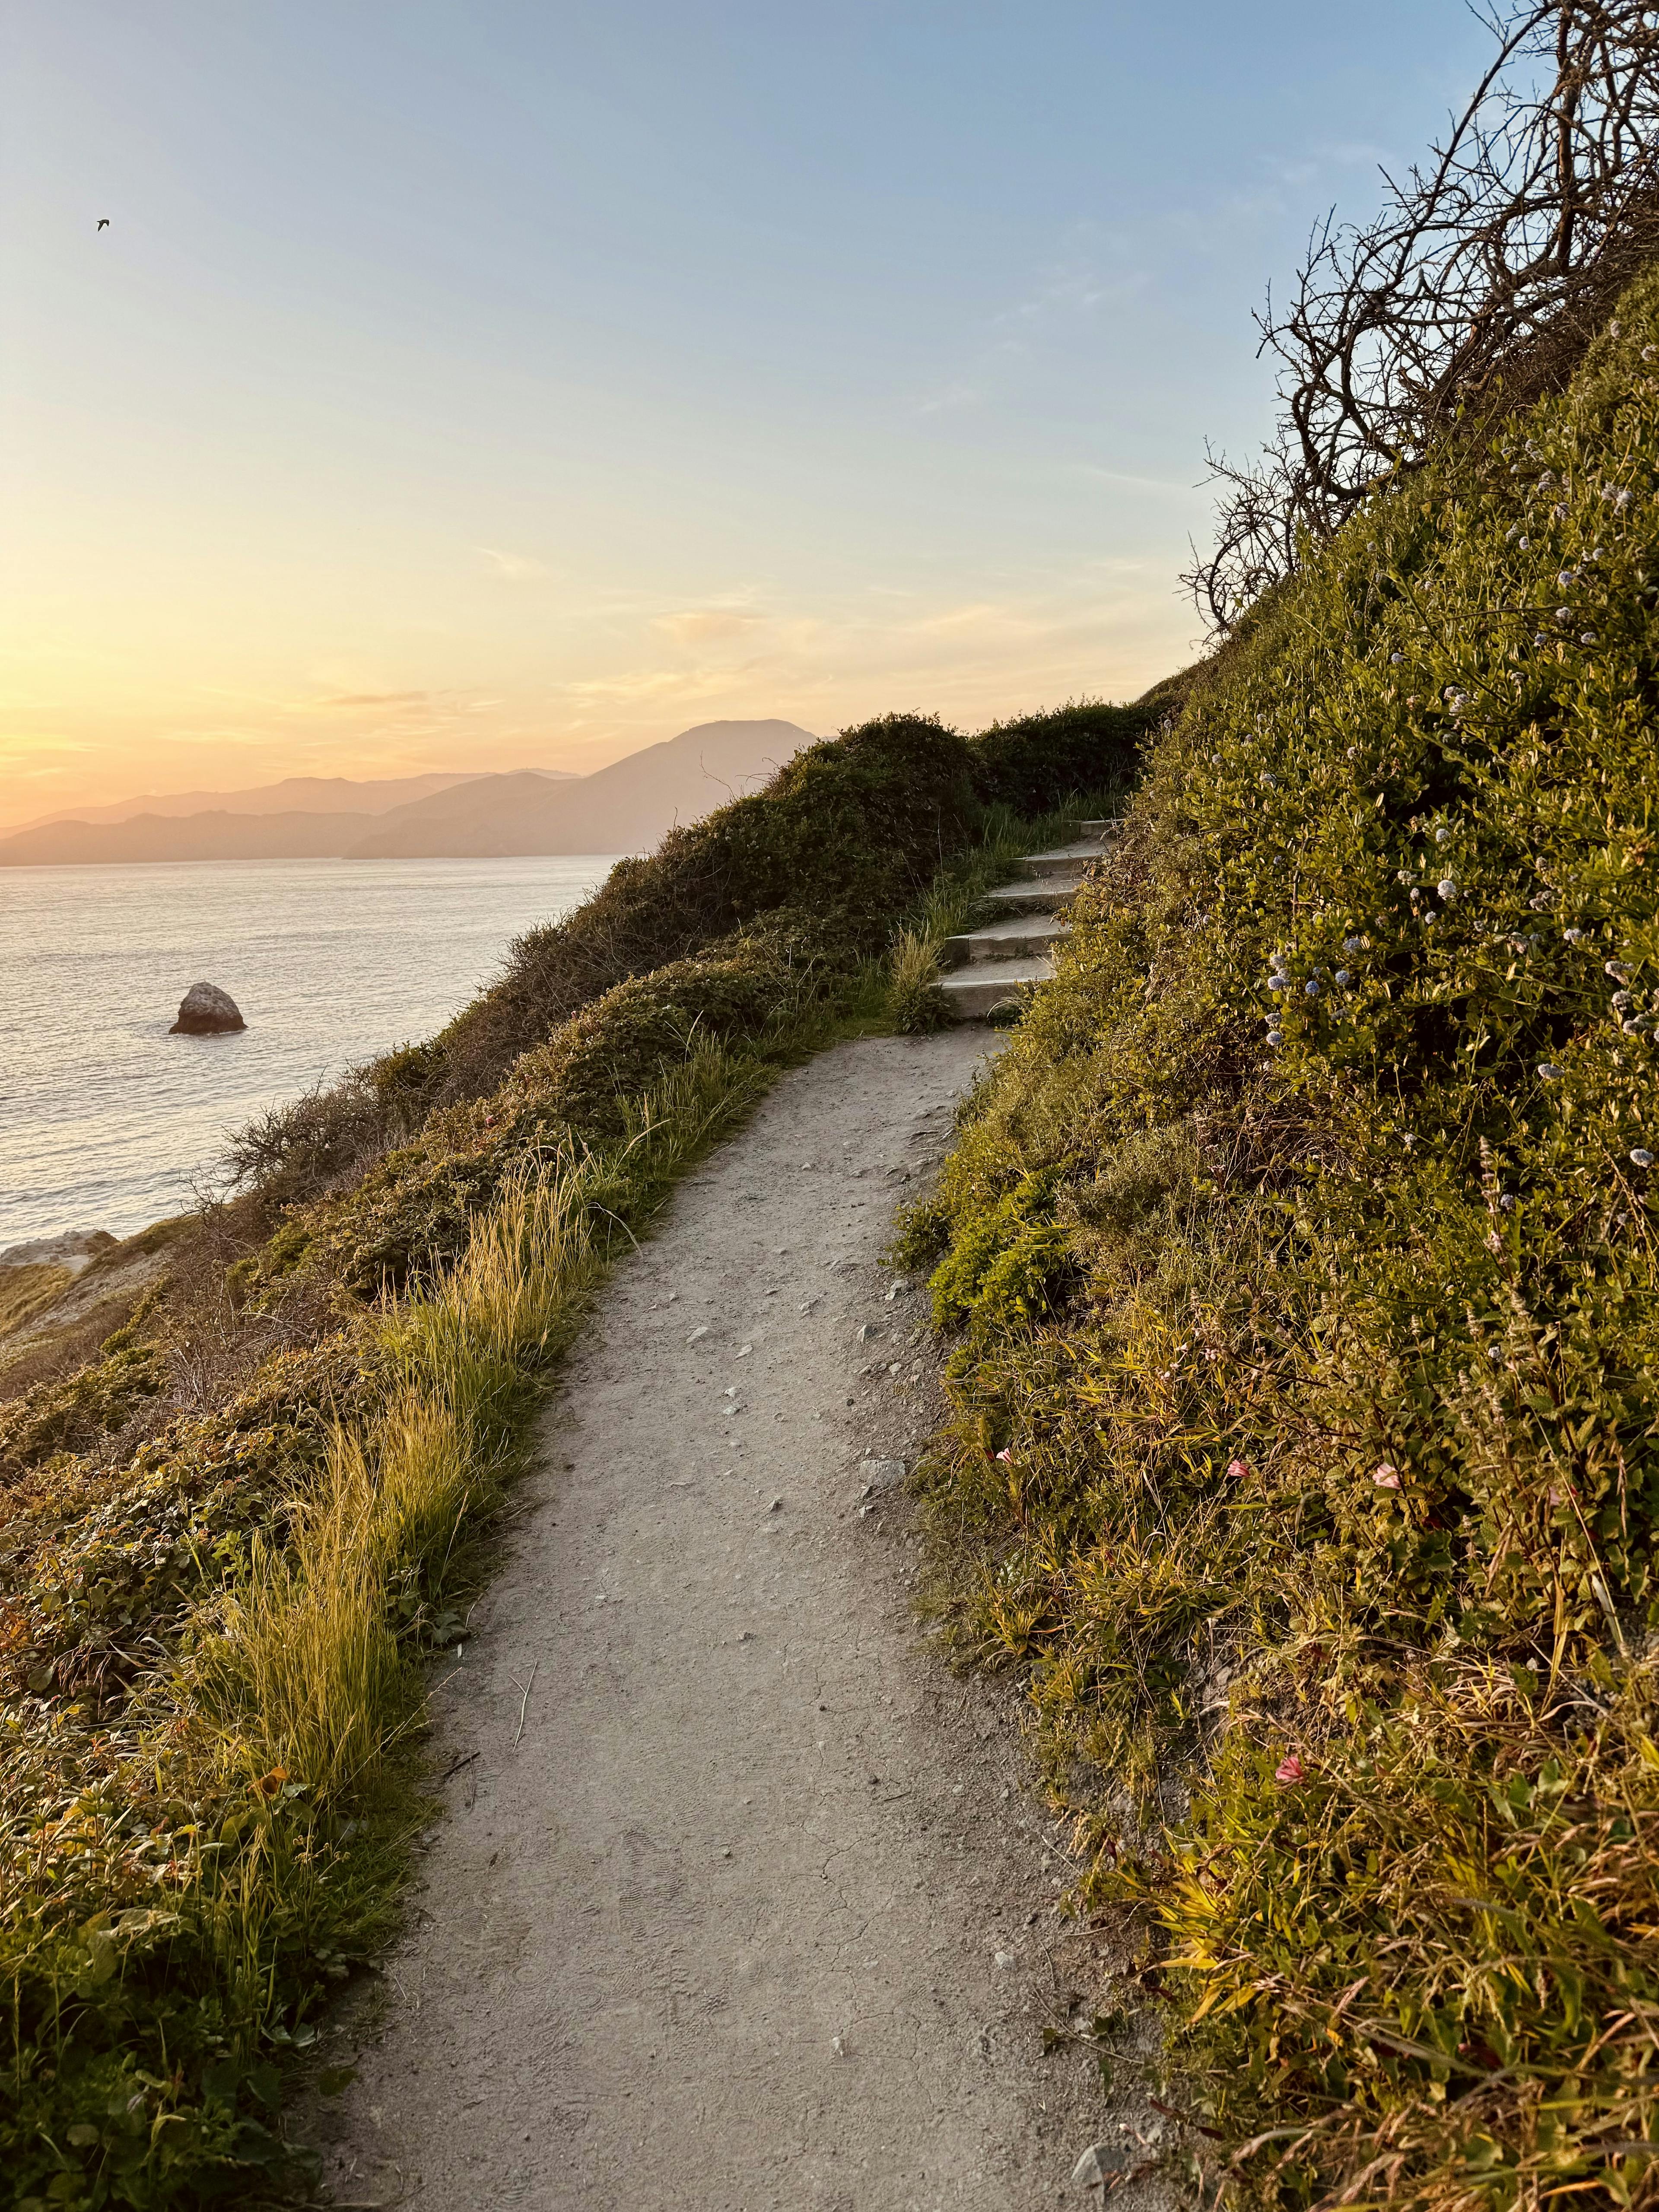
(851, 828)
(1039, 762)
(1335, 1475)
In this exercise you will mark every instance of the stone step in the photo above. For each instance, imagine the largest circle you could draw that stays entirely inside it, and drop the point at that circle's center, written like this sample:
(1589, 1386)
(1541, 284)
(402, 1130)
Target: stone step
(1062, 861)
(1003, 940)
(1101, 830)
(976, 991)
(1034, 898)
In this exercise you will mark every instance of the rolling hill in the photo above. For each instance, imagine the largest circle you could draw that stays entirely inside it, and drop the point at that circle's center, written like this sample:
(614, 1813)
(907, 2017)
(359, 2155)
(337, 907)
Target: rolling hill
(625, 808)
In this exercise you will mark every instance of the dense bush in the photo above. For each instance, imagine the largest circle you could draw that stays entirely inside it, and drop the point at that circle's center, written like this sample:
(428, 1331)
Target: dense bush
(1304, 1244)
(1037, 763)
(851, 827)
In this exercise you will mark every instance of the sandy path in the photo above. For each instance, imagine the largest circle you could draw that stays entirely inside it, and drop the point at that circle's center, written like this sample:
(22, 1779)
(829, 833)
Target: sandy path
(743, 1918)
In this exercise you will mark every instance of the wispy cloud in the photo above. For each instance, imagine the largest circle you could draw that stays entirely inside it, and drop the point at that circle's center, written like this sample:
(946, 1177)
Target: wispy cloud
(512, 568)
(373, 699)
(952, 397)
(698, 625)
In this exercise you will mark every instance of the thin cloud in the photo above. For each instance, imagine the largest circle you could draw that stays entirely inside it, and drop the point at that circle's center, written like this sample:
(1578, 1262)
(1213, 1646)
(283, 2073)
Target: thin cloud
(697, 625)
(951, 397)
(512, 568)
(374, 699)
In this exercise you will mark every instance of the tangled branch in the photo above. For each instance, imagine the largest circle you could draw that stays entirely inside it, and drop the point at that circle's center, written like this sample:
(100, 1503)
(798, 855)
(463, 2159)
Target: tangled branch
(1478, 287)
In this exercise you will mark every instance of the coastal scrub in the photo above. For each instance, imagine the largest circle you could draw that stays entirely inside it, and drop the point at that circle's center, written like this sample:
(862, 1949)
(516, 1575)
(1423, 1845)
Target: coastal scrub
(1299, 1255)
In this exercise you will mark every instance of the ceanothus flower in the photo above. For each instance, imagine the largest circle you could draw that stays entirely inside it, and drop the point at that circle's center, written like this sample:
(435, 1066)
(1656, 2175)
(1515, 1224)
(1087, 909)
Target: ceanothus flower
(1447, 887)
(1343, 977)
(1641, 1157)
(1549, 1072)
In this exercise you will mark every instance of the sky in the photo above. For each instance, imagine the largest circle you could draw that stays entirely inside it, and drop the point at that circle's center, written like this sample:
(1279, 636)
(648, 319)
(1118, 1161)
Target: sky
(486, 384)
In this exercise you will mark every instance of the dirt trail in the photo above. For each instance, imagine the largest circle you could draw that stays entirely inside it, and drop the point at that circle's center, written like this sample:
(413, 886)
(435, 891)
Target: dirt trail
(733, 1907)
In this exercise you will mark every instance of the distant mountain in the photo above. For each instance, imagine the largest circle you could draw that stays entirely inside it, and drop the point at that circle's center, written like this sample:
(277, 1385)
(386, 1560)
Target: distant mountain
(628, 807)
(295, 795)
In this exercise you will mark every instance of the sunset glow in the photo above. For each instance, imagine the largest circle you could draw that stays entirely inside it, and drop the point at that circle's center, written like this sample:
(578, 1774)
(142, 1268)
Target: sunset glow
(439, 398)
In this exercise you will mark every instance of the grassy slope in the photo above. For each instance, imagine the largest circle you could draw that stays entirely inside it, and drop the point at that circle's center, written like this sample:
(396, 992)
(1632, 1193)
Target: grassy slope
(232, 1544)
(1307, 1390)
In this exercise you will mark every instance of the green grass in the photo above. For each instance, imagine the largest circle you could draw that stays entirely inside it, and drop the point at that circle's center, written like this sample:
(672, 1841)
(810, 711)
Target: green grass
(1304, 1346)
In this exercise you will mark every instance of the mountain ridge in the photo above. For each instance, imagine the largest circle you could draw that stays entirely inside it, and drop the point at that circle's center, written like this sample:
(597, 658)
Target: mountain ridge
(292, 794)
(627, 806)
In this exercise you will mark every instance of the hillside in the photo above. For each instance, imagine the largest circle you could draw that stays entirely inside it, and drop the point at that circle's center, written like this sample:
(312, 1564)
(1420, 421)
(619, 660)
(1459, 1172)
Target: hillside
(1300, 1263)
(246, 1501)
(625, 808)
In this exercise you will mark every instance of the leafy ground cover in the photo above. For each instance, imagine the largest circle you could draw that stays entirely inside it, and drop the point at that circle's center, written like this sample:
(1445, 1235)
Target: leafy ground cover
(1299, 1263)
(236, 1541)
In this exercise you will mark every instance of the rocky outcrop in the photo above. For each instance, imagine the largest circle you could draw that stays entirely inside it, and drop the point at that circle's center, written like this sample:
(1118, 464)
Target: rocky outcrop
(74, 1248)
(206, 1011)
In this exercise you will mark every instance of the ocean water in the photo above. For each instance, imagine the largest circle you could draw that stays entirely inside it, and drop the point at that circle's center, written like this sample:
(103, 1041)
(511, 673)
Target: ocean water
(105, 1120)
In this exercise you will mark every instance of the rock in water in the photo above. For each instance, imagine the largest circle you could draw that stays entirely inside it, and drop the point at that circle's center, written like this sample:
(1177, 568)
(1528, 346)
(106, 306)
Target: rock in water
(206, 1011)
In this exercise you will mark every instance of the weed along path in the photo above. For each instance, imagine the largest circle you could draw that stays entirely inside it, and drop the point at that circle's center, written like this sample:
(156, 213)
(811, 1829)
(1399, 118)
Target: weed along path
(742, 1902)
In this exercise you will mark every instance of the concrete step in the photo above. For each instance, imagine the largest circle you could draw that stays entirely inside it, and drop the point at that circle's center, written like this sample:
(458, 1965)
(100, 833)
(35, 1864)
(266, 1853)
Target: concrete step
(976, 991)
(1064, 860)
(1004, 941)
(1100, 829)
(1034, 898)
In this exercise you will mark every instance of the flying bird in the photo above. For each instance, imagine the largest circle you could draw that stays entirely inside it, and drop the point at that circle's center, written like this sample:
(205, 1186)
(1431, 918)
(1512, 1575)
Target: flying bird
(103, 222)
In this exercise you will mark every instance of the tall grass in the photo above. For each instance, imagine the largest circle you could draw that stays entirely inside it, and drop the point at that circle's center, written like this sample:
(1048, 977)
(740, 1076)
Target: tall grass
(316, 1669)
(284, 1763)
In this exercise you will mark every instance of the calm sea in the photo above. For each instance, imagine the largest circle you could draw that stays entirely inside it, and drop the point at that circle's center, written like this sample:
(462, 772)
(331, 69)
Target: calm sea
(105, 1120)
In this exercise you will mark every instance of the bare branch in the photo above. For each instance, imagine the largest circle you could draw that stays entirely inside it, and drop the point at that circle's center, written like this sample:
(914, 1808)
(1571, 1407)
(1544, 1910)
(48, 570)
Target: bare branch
(1477, 286)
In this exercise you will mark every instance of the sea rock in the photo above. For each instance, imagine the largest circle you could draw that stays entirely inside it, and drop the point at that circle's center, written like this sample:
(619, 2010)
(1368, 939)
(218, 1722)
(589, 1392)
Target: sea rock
(206, 1011)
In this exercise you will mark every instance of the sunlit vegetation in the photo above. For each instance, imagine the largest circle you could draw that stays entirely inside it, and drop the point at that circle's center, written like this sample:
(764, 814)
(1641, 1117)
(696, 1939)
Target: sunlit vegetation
(1298, 1260)
(237, 1540)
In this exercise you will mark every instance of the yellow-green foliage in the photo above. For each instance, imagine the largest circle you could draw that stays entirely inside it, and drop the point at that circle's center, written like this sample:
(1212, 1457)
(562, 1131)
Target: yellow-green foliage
(914, 1000)
(180, 1887)
(1334, 1480)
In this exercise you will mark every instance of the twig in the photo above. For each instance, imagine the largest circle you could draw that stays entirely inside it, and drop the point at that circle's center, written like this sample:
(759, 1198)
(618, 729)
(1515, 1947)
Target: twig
(523, 1702)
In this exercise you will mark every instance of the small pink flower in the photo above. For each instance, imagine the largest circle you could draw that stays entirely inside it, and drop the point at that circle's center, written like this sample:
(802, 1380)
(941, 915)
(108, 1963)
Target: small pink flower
(1006, 1452)
(1238, 1469)
(1290, 1770)
(1387, 1477)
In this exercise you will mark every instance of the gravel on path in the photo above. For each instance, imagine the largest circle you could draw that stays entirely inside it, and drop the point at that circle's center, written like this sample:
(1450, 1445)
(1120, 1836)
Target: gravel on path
(742, 1901)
